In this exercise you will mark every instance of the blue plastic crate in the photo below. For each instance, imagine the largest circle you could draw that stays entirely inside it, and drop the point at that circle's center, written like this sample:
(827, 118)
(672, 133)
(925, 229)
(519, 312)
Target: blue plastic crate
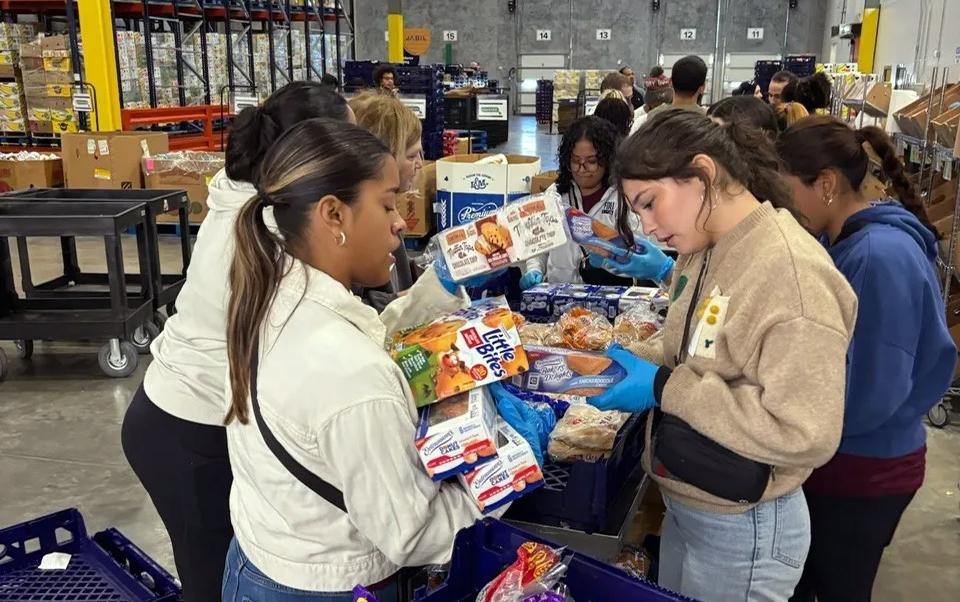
(482, 551)
(584, 495)
(106, 568)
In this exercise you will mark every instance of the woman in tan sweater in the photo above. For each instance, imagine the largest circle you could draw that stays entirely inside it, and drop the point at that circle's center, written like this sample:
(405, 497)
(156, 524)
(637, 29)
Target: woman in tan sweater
(748, 371)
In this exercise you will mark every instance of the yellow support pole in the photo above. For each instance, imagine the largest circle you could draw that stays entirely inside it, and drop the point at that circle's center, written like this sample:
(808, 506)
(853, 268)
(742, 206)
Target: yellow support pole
(869, 28)
(395, 31)
(100, 60)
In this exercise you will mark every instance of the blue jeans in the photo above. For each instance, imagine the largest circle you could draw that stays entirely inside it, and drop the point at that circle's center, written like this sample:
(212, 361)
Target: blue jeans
(756, 556)
(243, 582)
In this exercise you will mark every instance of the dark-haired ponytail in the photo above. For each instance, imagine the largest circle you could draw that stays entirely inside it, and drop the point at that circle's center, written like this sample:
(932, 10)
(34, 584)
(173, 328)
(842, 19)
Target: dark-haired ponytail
(892, 169)
(252, 134)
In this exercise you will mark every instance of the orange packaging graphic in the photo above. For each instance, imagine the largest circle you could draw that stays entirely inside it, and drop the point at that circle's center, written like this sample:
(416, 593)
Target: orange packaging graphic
(475, 346)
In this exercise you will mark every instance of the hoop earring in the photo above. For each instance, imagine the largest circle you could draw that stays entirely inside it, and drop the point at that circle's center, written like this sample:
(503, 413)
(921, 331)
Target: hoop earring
(342, 240)
(828, 200)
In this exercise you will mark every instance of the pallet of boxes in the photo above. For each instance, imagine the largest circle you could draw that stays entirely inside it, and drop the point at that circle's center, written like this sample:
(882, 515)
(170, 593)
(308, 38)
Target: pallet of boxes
(13, 106)
(47, 69)
(191, 171)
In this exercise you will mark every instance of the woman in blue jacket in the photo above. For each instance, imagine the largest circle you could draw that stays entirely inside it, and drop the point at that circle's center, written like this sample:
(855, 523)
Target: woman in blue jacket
(899, 364)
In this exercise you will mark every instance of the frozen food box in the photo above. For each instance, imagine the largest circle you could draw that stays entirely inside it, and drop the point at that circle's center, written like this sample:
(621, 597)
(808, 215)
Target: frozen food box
(572, 295)
(537, 301)
(516, 232)
(605, 300)
(457, 434)
(593, 235)
(568, 374)
(644, 294)
(475, 346)
(514, 473)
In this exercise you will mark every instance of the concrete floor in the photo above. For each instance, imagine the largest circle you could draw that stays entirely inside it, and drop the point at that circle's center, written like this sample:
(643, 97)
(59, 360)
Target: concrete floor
(60, 442)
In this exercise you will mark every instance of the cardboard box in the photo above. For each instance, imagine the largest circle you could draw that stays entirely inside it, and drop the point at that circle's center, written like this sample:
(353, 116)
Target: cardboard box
(458, 434)
(912, 118)
(537, 302)
(945, 125)
(605, 300)
(108, 160)
(55, 43)
(416, 206)
(570, 296)
(190, 171)
(514, 473)
(542, 181)
(470, 348)
(467, 191)
(41, 126)
(877, 102)
(18, 175)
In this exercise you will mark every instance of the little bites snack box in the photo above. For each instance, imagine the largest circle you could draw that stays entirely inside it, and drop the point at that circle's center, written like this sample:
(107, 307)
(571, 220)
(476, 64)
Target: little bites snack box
(457, 434)
(515, 472)
(568, 374)
(475, 346)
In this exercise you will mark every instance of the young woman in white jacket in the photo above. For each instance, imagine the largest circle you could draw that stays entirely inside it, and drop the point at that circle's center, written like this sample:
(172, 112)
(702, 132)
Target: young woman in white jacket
(173, 435)
(585, 183)
(307, 363)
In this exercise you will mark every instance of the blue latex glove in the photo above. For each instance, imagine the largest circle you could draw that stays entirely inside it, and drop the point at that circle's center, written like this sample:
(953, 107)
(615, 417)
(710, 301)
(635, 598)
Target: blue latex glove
(531, 279)
(635, 392)
(443, 274)
(647, 262)
(534, 426)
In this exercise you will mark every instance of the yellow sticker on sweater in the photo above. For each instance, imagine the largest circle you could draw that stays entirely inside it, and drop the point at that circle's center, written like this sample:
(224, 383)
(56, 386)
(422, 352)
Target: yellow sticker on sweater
(710, 327)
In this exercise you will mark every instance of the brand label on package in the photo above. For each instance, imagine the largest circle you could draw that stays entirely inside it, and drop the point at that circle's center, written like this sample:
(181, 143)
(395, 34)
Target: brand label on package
(457, 434)
(573, 375)
(467, 191)
(537, 301)
(514, 473)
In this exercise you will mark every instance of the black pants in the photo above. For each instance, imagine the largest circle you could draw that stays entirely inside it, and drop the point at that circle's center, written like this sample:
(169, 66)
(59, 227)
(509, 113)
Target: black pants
(848, 537)
(185, 469)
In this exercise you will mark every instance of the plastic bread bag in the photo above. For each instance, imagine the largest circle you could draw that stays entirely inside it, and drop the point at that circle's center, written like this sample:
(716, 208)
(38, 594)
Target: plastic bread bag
(512, 234)
(537, 569)
(584, 330)
(587, 428)
(637, 324)
(560, 451)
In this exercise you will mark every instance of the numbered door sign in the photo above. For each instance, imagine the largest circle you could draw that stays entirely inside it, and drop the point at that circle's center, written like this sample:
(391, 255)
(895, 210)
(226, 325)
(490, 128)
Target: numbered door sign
(688, 33)
(449, 35)
(754, 33)
(544, 35)
(603, 35)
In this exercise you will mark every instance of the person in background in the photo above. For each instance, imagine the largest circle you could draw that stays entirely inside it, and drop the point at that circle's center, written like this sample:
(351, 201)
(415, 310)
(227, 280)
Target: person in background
(747, 109)
(747, 373)
(385, 77)
(789, 113)
(173, 435)
(899, 364)
(617, 81)
(474, 65)
(617, 111)
(585, 182)
(748, 89)
(659, 92)
(636, 96)
(396, 126)
(330, 81)
(778, 82)
(813, 92)
(689, 78)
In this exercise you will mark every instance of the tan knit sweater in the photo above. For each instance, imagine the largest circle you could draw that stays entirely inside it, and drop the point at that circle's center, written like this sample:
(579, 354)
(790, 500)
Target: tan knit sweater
(766, 375)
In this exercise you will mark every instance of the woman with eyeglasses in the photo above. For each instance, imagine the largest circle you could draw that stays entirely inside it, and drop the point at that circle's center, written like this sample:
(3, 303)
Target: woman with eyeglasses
(585, 156)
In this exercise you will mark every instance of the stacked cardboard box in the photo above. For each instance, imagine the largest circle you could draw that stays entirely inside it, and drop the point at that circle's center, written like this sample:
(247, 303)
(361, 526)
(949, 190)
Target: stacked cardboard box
(109, 160)
(183, 170)
(131, 58)
(12, 36)
(30, 170)
(48, 85)
(13, 107)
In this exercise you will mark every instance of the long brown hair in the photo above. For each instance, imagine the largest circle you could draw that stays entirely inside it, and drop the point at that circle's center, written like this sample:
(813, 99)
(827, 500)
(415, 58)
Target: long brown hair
(665, 148)
(820, 142)
(314, 159)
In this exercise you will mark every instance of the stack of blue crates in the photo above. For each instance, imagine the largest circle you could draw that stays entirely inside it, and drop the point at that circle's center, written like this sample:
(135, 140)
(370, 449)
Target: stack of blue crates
(427, 80)
(801, 65)
(763, 72)
(355, 72)
(544, 101)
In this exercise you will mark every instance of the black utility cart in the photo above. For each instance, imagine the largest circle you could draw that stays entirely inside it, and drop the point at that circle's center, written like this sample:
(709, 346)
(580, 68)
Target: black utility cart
(79, 306)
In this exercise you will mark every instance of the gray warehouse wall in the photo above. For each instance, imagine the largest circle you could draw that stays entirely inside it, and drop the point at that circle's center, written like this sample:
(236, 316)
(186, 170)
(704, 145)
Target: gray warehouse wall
(490, 34)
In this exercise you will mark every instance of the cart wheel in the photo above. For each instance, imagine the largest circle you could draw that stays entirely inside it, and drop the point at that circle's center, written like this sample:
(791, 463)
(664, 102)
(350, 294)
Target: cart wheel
(3, 365)
(143, 336)
(159, 319)
(938, 415)
(118, 367)
(24, 349)
(171, 308)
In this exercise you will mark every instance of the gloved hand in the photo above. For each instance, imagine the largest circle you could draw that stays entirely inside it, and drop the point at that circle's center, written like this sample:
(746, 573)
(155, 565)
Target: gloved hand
(646, 262)
(443, 275)
(531, 279)
(635, 392)
(533, 425)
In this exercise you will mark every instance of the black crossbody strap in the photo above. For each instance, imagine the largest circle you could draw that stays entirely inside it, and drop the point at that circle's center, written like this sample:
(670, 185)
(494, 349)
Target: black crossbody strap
(305, 476)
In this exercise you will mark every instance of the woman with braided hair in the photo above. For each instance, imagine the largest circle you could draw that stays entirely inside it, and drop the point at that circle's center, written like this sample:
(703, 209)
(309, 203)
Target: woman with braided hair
(901, 359)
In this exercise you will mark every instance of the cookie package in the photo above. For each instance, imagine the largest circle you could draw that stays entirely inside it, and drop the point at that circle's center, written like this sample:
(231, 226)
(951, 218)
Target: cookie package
(513, 473)
(517, 231)
(457, 434)
(567, 374)
(472, 347)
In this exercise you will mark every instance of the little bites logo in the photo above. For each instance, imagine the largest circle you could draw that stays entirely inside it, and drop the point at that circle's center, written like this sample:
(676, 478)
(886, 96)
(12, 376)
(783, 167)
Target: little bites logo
(494, 349)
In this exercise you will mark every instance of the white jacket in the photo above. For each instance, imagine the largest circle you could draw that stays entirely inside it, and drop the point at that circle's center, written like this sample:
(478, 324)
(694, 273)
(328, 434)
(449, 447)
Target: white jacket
(562, 265)
(190, 355)
(340, 406)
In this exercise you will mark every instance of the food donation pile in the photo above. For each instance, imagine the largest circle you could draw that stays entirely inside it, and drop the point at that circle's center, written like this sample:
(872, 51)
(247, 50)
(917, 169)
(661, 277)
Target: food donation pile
(550, 357)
